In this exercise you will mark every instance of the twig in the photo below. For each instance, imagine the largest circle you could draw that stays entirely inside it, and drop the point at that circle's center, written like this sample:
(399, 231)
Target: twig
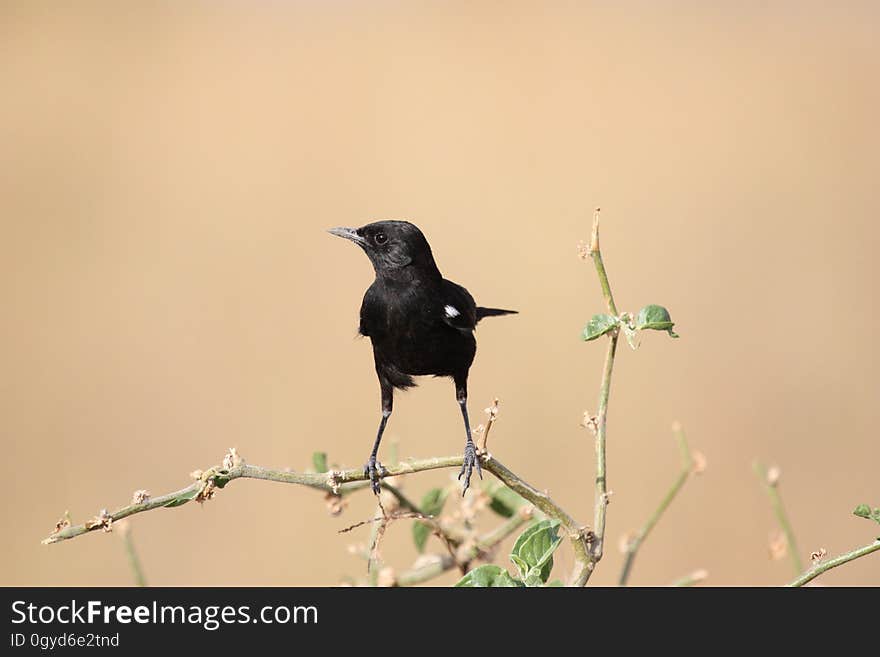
(338, 481)
(770, 479)
(596, 255)
(382, 519)
(425, 573)
(134, 562)
(380, 522)
(601, 501)
(635, 542)
(356, 525)
(502, 531)
(402, 500)
(492, 412)
(578, 535)
(447, 534)
(448, 544)
(446, 562)
(333, 481)
(374, 563)
(824, 566)
(437, 530)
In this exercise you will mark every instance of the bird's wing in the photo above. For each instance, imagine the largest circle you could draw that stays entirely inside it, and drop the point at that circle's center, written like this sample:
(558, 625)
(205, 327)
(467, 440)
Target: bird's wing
(372, 317)
(457, 307)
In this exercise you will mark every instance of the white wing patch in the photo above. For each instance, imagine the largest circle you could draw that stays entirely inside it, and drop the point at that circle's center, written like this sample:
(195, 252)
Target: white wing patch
(451, 311)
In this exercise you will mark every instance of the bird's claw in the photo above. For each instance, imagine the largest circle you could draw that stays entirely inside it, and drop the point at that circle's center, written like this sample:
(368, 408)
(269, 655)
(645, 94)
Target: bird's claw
(470, 460)
(373, 471)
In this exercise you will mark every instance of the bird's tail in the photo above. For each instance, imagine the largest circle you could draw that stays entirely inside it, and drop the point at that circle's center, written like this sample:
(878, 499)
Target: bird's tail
(493, 312)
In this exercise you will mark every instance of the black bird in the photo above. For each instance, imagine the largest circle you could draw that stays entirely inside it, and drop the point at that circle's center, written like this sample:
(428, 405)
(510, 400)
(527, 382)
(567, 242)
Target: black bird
(419, 323)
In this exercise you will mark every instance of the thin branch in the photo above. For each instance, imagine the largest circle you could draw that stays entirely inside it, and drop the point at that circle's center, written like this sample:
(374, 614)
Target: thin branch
(338, 482)
(635, 542)
(447, 537)
(602, 494)
(448, 541)
(502, 531)
(770, 479)
(402, 500)
(374, 563)
(492, 412)
(131, 554)
(381, 520)
(577, 534)
(824, 566)
(426, 573)
(596, 255)
(601, 501)
(447, 562)
(447, 534)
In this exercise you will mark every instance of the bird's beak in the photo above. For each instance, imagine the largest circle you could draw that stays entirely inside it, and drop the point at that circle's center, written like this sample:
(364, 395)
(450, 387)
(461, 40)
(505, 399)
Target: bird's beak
(349, 234)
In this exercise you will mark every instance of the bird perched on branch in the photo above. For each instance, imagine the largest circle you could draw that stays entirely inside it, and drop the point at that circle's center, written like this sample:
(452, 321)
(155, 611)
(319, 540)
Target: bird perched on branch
(419, 324)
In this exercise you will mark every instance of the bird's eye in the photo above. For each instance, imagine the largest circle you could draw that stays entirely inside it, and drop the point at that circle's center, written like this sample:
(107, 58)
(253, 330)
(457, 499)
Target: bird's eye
(380, 238)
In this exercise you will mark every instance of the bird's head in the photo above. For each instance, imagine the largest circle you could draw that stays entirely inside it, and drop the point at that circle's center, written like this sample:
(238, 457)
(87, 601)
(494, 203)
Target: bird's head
(391, 245)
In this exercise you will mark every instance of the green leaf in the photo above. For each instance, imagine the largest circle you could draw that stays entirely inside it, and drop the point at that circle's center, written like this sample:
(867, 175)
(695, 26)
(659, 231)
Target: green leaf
(655, 318)
(632, 337)
(488, 575)
(504, 501)
(319, 461)
(433, 501)
(421, 531)
(599, 325)
(532, 553)
(432, 505)
(555, 583)
(521, 565)
(865, 511)
(183, 498)
(534, 579)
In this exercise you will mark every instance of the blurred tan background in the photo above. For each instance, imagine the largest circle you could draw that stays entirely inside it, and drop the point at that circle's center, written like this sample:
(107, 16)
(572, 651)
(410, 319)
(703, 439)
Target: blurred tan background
(167, 171)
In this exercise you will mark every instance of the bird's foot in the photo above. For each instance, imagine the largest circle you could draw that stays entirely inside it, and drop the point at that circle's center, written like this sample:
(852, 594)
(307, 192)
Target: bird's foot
(374, 470)
(470, 460)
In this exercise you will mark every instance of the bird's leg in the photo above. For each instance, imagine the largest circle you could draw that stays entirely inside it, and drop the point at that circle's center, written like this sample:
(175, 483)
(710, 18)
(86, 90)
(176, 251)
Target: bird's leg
(470, 451)
(373, 469)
